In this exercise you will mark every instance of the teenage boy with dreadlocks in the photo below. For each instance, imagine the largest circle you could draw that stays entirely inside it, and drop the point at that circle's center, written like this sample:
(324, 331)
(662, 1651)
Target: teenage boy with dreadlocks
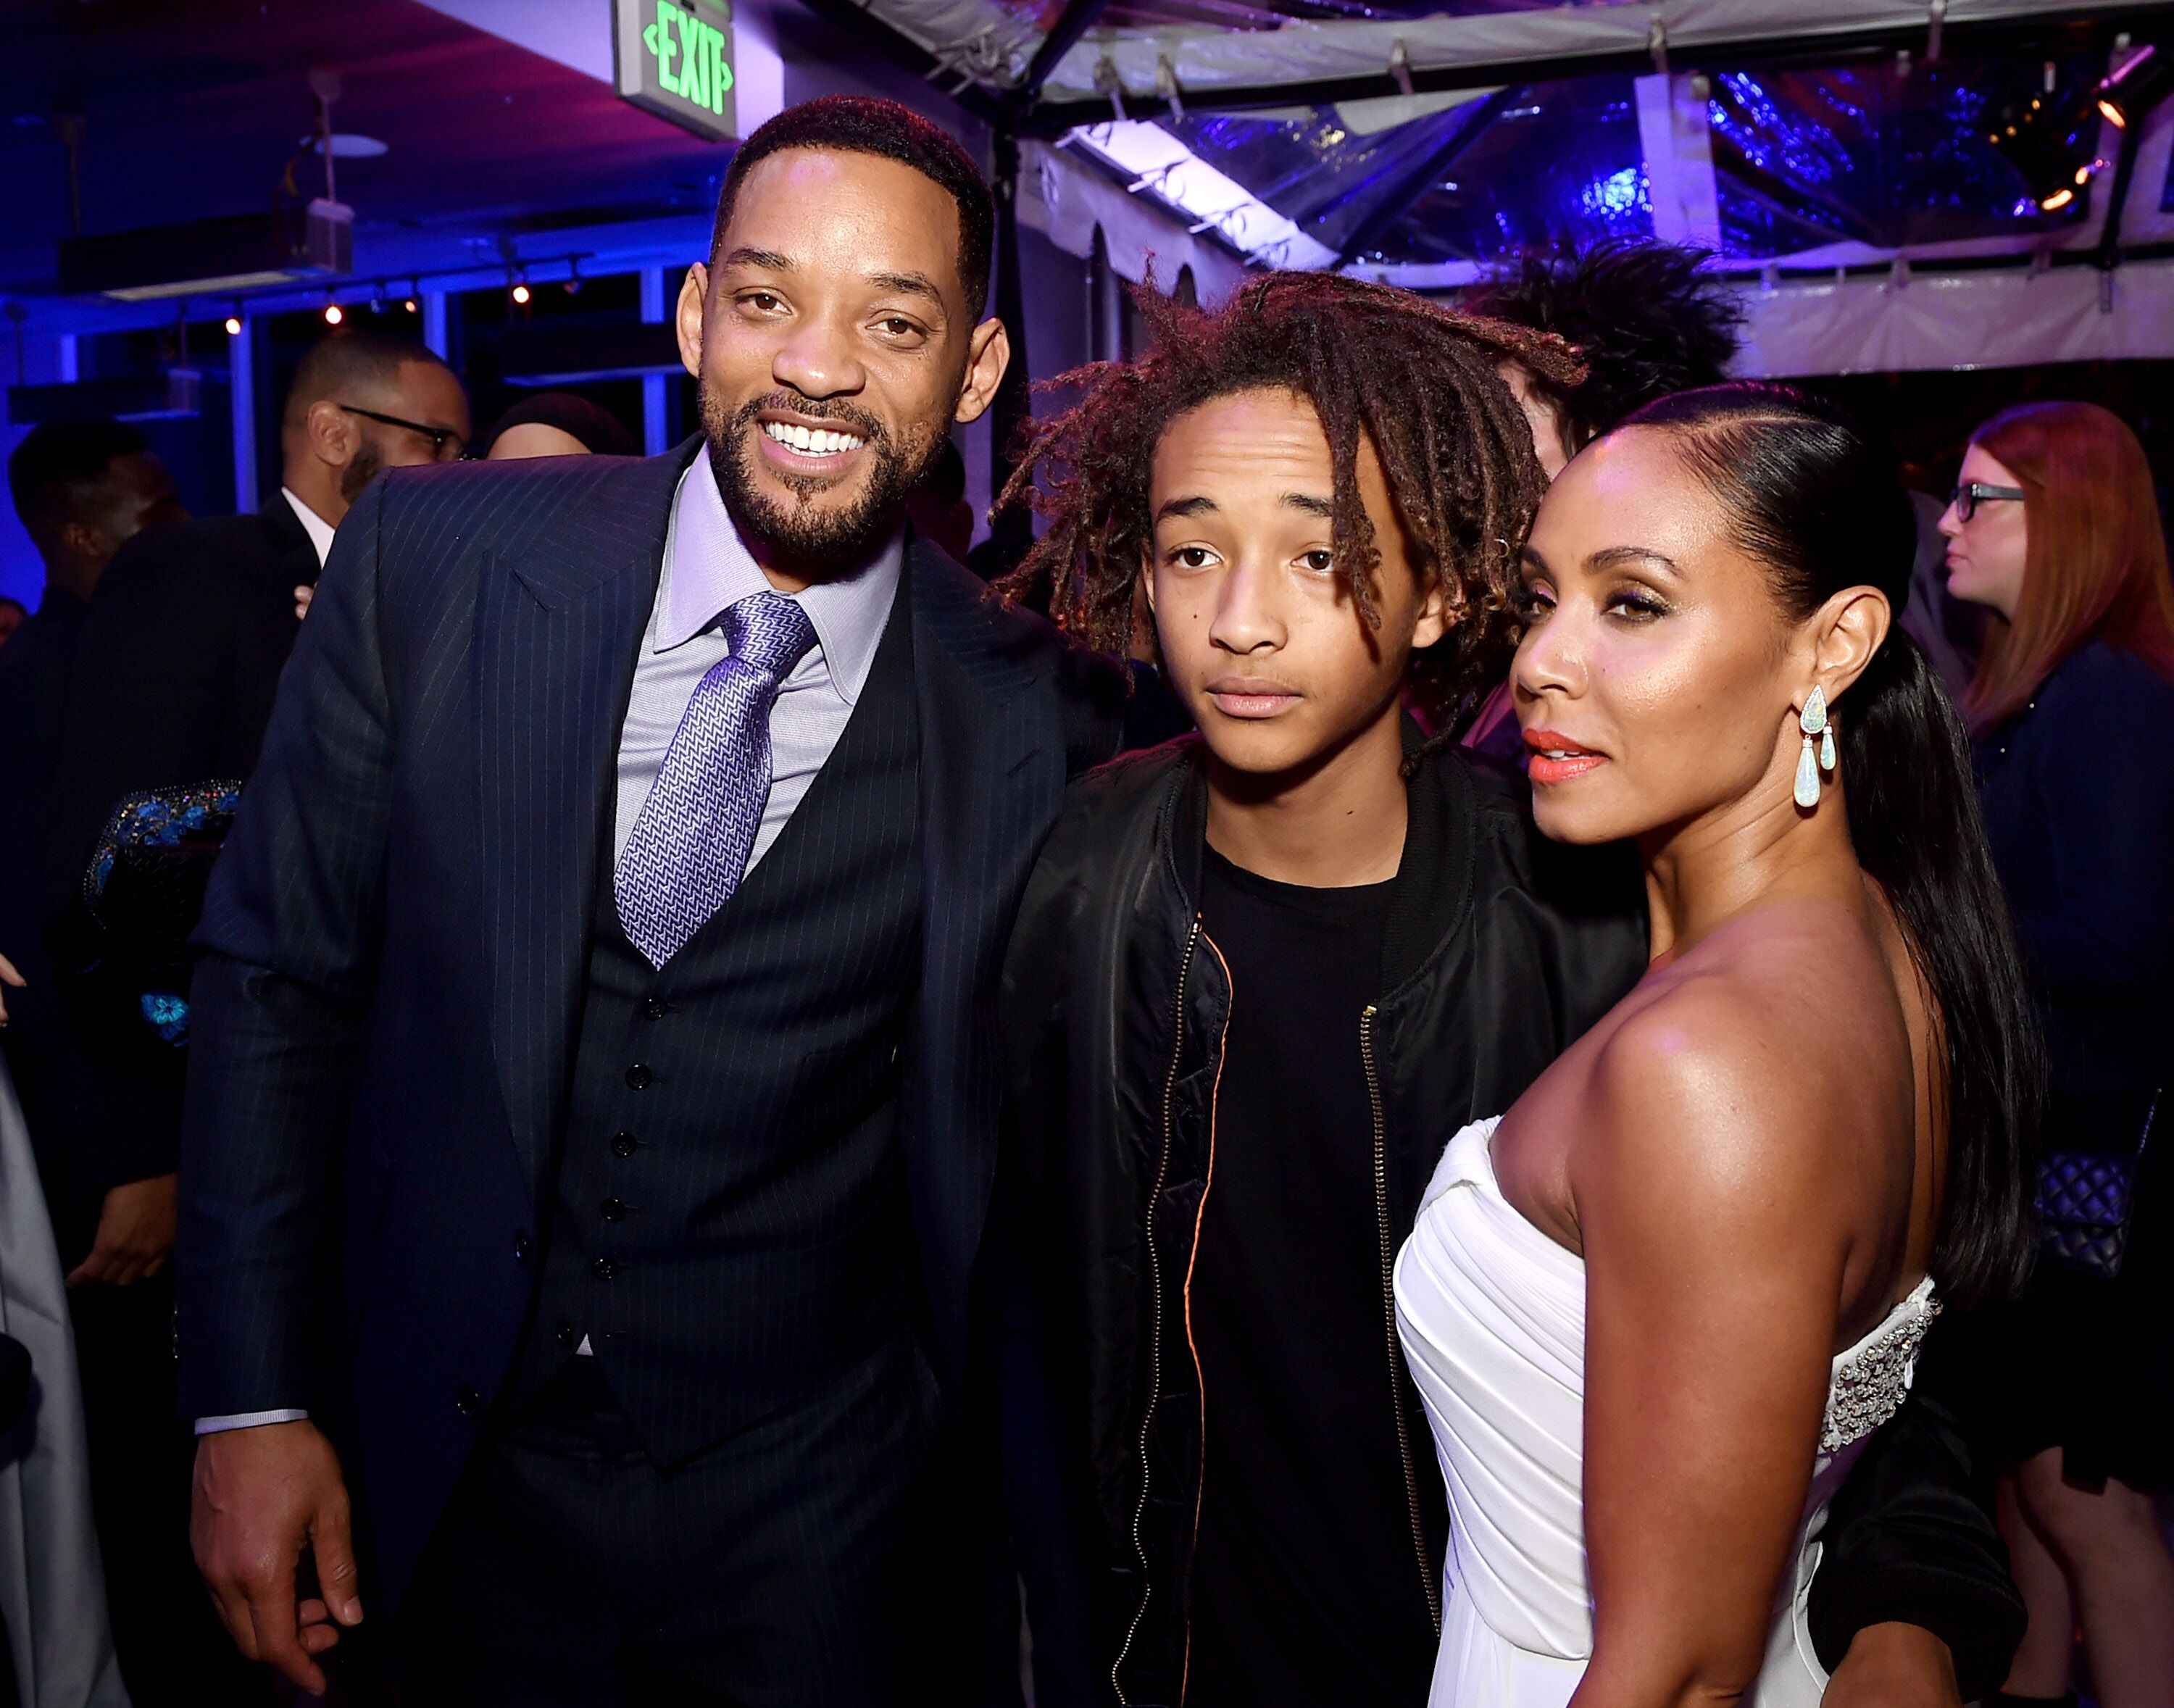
(1261, 974)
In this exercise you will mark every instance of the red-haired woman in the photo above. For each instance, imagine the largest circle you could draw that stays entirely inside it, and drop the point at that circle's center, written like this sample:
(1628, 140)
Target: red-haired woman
(2055, 527)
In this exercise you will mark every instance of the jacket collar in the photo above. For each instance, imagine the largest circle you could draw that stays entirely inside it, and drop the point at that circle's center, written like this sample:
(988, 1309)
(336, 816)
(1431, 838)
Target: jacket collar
(1432, 892)
(558, 628)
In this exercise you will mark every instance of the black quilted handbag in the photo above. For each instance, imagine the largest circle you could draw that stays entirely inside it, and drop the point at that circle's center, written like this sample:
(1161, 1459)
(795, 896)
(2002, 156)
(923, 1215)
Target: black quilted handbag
(2086, 1200)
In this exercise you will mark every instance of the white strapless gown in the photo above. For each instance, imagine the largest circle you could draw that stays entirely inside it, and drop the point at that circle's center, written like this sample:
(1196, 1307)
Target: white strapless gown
(1492, 1313)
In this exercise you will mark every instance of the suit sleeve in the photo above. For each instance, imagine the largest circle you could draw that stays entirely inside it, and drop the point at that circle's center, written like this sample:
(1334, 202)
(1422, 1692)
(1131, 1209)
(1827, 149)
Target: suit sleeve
(1037, 1333)
(287, 949)
(1909, 1540)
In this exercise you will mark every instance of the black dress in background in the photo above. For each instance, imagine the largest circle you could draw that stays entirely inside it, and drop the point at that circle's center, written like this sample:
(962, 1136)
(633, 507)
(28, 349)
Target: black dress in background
(2078, 796)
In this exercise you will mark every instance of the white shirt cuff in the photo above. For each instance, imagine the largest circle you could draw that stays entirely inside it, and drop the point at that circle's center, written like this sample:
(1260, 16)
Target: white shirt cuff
(247, 1420)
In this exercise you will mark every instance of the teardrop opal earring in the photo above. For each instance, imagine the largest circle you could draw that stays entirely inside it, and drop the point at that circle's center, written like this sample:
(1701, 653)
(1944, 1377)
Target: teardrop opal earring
(1813, 721)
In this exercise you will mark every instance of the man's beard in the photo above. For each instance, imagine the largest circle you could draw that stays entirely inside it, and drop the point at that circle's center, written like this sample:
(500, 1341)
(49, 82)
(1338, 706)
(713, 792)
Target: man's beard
(815, 542)
(361, 470)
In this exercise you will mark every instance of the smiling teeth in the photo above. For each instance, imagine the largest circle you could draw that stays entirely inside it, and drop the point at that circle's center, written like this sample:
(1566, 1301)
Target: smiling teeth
(811, 441)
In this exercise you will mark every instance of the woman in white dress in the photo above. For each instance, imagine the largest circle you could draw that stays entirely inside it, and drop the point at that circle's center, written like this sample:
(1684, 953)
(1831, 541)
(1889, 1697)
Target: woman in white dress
(1655, 1311)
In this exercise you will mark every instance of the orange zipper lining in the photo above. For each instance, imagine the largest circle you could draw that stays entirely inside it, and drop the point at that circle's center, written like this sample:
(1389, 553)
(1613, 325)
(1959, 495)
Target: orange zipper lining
(1193, 1259)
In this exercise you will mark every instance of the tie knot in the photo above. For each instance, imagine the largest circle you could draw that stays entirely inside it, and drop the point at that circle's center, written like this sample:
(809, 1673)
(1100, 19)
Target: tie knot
(770, 633)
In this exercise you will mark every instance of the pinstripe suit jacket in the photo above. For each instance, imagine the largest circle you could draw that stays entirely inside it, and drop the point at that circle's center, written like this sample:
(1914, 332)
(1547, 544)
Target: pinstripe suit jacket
(396, 935)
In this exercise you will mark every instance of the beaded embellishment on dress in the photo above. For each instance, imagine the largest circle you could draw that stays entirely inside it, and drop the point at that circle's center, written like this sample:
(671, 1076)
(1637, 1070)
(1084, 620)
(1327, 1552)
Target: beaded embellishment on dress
(162, 819)
(1871, 1380)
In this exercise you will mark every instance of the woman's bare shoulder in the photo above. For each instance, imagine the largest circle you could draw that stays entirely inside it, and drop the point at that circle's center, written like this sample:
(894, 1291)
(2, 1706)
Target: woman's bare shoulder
(1746, 1068)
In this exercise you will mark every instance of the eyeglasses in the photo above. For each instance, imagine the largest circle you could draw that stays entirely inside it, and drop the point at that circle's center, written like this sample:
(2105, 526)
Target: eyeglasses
(439, 437)
(1967, 497)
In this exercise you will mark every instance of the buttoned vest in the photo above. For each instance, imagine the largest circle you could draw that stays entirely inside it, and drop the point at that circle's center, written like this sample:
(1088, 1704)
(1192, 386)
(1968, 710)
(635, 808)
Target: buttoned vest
(730, 1224)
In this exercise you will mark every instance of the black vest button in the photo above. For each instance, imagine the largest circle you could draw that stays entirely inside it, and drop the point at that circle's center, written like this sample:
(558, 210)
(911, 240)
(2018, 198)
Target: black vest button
(567, 1337)
(623, 1144)
(524, 1248)
(639, 1077)
(656, 1008)
(603, 1269)
(613, 1209)
(468, 1402)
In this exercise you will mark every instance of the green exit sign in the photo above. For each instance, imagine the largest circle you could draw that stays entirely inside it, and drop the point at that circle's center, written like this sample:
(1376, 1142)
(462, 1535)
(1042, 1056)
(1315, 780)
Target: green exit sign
(674, 58)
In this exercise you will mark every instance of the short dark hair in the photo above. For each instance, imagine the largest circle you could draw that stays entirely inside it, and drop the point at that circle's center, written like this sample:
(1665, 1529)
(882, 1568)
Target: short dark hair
(852, 124)
(343, 359)
(1417, 378)
(52, 471)
(601, 433)
(1644, 319)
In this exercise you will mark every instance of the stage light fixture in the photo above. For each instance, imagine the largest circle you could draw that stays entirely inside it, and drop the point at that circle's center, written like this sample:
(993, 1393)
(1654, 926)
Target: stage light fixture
(573, 277)
(520, 294)
(2127, 97)
(333, 315)
(234, 326)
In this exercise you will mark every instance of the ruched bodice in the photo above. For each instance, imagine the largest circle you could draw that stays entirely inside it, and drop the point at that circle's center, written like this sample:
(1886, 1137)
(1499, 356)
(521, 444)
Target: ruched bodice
(1492, 1313)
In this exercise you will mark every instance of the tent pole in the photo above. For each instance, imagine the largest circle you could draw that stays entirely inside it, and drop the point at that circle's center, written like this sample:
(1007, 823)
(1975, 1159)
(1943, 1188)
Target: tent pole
(1106, 304)
(1077, 18)
(1013, 530)
(2124, 172)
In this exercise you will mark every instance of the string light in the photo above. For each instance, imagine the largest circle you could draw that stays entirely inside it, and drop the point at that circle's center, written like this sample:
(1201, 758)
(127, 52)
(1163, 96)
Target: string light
(334, 317)
(520, 294)
(2145, 79)
(234, 326)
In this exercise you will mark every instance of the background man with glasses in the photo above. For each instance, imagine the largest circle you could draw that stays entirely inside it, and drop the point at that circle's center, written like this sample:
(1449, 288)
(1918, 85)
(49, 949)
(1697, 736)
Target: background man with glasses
(180, 653)
(193, 624)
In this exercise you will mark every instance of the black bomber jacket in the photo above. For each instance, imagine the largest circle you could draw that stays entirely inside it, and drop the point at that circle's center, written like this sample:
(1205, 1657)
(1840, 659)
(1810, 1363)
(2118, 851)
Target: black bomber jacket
(1500, 948)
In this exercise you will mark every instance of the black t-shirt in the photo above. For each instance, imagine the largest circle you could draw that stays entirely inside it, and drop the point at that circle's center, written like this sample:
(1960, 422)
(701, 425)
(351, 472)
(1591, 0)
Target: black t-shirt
(1305, 1584)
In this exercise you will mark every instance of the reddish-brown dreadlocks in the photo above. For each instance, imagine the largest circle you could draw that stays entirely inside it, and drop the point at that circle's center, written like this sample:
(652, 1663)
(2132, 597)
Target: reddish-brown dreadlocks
(1418, 380)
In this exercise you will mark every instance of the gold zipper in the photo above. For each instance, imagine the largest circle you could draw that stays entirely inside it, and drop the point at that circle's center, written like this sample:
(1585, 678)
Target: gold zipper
(1154, 1309)
(1389, 1310)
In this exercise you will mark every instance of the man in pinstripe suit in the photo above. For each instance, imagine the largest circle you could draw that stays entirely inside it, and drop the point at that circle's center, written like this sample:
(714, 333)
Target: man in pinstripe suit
(610, 932)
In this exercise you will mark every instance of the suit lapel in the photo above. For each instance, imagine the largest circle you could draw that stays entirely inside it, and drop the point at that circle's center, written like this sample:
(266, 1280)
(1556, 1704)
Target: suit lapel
(991, 773)
(557, 630)
(977, 738)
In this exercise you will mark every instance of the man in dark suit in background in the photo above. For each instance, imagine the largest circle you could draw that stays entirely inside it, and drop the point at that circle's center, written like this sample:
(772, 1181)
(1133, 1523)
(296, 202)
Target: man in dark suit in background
(617, 915)
(183, 649)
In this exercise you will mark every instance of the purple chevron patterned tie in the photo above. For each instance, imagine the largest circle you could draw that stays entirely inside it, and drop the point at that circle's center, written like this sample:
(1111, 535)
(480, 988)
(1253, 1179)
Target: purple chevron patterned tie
(691, 841)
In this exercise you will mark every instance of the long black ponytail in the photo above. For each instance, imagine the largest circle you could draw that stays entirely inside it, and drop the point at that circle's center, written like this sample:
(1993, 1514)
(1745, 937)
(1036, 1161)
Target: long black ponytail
(1808, 496)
